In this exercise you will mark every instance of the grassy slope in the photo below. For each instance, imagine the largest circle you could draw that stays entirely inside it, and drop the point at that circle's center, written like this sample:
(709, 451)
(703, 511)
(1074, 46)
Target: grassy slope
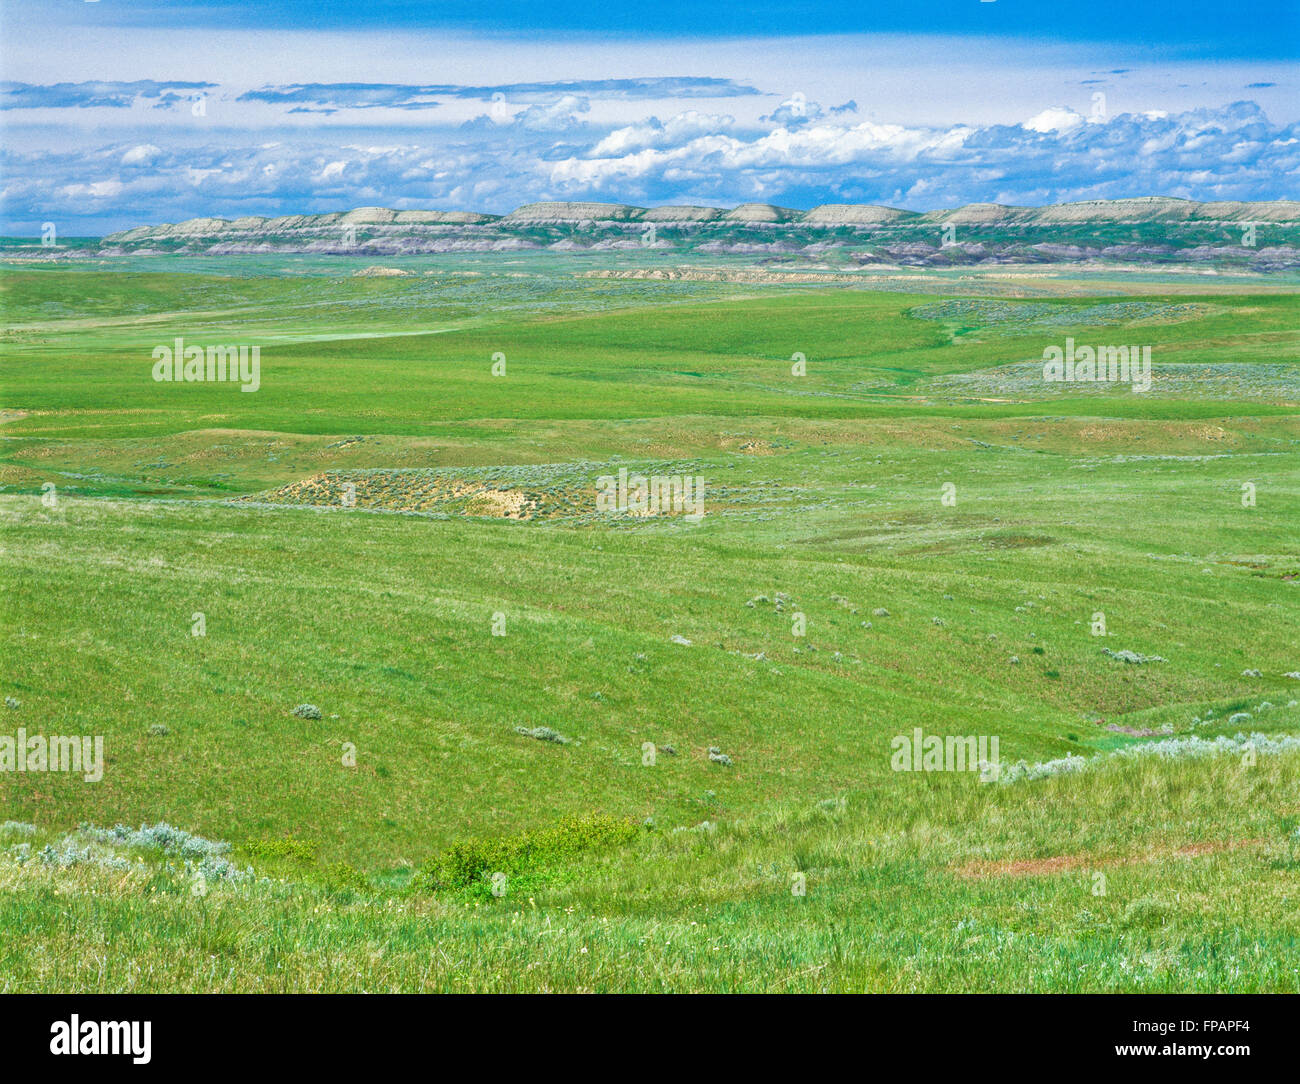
(385, 623)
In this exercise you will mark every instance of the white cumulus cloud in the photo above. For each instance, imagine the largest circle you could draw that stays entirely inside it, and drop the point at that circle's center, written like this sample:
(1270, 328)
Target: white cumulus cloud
(1058, 119)
(141, 154)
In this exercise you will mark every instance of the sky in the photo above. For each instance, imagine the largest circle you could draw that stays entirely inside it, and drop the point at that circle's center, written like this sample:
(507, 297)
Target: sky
(115, 113)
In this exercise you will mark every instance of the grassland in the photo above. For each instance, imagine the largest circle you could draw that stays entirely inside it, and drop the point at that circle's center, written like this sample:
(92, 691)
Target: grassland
(973, 614)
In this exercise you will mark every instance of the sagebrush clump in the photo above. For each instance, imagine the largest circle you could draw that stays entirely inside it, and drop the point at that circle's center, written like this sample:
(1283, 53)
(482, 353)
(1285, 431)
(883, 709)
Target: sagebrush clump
(1167, 749)
(542, 733)
(1132, 658)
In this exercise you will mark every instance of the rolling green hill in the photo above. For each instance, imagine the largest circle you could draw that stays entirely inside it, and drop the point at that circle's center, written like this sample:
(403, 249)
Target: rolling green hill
(914, 533)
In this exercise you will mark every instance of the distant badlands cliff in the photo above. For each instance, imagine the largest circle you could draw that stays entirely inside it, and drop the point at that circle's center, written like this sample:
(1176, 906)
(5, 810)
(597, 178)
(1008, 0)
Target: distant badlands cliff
(1151, 228)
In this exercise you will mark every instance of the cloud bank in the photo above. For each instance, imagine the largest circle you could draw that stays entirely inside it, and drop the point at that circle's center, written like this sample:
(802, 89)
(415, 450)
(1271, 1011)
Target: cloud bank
(550, 147)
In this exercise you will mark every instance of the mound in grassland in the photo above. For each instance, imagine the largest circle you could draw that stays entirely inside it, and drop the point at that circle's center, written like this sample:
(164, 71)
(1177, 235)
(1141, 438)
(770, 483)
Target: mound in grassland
(405, 491)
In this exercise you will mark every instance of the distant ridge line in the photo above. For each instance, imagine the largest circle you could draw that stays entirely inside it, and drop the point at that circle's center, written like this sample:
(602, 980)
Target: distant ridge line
(828, 215)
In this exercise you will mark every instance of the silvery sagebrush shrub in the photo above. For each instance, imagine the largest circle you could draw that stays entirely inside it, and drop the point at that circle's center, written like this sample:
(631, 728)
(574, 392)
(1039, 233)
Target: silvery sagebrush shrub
(213, 868)
(542, 733)
(1132, 658)
(1165, 749)
(161, 836)
(101, 847)
(70, 853)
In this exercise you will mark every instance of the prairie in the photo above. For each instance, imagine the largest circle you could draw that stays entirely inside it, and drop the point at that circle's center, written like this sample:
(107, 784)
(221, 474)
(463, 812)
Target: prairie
(912, 532)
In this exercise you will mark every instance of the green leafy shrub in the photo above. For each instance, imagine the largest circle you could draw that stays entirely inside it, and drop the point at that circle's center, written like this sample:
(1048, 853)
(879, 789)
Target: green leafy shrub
(465, 861)
(293, 850)
(344, 875)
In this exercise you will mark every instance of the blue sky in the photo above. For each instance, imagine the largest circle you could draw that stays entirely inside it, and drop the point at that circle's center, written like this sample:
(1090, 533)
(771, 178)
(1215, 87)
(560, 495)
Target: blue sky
(118, 112)
(1217, 28)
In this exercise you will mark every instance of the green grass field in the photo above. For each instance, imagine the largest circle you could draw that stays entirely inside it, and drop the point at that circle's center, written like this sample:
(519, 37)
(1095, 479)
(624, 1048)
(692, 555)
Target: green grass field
(914, 533)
